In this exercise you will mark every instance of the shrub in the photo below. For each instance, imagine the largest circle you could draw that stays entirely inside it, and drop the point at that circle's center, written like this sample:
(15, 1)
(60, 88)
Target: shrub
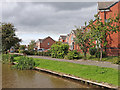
(59, 50)
(97, 54)
(48, 53)
(25, 63)
(17, 51)
(21, 51)
(22, 47)
(116, 60)
(92, 51)
(27, 52)
(6, 58)
(72, 55)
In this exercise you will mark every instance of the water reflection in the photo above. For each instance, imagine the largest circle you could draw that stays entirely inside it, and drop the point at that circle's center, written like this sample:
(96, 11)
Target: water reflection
(35, 79)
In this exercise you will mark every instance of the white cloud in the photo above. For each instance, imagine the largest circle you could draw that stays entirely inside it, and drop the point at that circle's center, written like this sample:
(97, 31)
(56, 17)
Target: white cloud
(39, 20)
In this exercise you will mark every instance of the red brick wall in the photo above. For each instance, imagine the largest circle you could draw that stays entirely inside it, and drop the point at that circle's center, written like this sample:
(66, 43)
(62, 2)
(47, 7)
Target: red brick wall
(61, 40)
(45, 45)
(113, 39)
(113, 52)
(119, 26)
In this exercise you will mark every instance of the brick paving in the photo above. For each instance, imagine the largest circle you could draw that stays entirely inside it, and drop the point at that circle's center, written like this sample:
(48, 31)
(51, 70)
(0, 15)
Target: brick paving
(84, 62)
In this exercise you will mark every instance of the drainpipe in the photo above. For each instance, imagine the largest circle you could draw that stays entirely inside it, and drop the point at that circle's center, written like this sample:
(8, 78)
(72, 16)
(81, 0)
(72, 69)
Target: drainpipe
(104, 16)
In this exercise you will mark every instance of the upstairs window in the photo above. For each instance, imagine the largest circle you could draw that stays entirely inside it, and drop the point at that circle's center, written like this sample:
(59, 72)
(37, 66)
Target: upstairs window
(67, 39)
(48, 43)
(71, 38)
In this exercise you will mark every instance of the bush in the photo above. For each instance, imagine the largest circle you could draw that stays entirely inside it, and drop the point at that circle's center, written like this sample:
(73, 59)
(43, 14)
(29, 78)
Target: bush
(21, 51)
(25, 63)
(59, 50)
(97, 54)
(17, 51)
(92, 51)
(72, 55)
(30, 52)
(26, 52)
(116, 60)
(48, 53)
(7, 58)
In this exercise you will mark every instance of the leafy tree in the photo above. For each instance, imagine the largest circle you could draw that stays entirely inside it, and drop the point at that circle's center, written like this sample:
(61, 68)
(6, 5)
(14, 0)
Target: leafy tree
(22, 47)
(9, 37)
(59, 50)
(17, 46)
(31, 45)
(0, 38)
(82, 39)
(100, 30)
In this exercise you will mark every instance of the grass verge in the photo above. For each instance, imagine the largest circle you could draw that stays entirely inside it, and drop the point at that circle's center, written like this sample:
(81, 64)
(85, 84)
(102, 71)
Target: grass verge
(111, 59)
(93, 73)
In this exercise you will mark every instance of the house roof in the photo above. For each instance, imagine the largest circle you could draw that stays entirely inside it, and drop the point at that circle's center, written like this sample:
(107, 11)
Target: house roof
(63, 37)
(82, 27)
(41, 40)
(74, 31)
(106, 5)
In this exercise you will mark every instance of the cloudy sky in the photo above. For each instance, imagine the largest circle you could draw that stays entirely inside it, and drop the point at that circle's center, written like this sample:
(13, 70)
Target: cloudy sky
(35, 20)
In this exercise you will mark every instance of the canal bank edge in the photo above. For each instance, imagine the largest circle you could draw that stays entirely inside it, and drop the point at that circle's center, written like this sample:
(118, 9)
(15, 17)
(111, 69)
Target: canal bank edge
(74, 78)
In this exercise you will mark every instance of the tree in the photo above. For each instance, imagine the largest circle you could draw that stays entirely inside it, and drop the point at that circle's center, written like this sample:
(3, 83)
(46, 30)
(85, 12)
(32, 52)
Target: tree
(31, 45)
(0, 38)
(59, 50)
(100, 30)
(17, 46)
(22, 47)
(9, 37)
(82, 39)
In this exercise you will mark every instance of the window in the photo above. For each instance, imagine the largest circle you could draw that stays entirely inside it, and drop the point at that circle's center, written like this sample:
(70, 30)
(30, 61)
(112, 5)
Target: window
(98, 43)
(107, 20)
(48, 43)
(72, 46)
(71, 38)
(67, 39)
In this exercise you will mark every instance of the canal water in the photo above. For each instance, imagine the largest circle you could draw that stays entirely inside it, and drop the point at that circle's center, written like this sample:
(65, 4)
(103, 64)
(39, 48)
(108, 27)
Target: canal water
(34, 79)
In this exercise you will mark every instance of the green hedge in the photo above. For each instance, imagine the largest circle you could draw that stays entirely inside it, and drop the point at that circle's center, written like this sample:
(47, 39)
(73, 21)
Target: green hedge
(59, 50)
(48, 53)
(73, 55)
(92, 51)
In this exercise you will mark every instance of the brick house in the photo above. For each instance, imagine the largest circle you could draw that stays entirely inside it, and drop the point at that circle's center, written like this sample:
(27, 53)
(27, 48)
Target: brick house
(45, 43)
(62, 38)
(107, 10)
(70, 40)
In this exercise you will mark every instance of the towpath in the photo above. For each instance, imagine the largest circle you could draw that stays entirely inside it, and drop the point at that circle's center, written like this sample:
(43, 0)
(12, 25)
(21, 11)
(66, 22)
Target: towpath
(84, 62)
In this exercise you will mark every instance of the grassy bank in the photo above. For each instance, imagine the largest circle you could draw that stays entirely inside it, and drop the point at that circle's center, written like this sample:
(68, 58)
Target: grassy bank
(112, 59)
(94, 73)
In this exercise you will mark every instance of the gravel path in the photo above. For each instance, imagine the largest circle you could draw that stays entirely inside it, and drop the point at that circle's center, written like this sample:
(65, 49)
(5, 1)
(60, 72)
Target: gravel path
(84, 62)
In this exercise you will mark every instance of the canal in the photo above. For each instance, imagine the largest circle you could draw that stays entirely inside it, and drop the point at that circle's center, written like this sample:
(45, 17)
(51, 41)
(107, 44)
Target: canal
(34, 79)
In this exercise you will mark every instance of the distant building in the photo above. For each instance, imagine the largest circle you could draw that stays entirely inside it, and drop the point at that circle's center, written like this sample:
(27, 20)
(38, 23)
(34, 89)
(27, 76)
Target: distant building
(106, 10)
(62, 38)
(45, 43)
(12, 49)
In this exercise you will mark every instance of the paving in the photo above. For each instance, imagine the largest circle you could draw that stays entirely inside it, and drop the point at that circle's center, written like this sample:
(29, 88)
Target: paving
(84, 62)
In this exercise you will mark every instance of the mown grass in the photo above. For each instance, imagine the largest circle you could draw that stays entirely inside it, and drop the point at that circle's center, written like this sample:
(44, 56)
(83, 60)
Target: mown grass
(94, 73)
